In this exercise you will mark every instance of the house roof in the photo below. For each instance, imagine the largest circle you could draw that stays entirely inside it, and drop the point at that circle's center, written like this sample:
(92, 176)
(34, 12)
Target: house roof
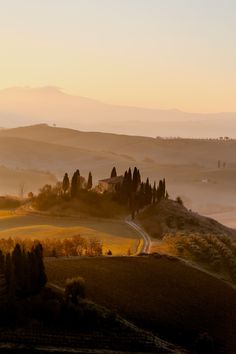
(112, 180)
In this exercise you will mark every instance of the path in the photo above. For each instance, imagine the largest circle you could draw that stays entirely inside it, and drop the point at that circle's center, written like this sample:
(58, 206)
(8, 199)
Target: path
(146, 238)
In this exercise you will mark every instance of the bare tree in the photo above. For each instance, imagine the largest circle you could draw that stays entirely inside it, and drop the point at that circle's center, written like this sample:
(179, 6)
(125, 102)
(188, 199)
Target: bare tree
(21, 190)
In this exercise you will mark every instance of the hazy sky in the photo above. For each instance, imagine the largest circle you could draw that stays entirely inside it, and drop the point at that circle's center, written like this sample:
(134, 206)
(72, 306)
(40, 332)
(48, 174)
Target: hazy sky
(157, 53)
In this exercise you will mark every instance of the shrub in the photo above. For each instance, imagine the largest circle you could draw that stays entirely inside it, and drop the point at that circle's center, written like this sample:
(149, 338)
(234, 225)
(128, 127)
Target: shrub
(75, 289)
(179, 200)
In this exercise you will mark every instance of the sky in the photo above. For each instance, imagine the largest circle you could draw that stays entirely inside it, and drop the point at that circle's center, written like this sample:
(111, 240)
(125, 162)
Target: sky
(153, 53)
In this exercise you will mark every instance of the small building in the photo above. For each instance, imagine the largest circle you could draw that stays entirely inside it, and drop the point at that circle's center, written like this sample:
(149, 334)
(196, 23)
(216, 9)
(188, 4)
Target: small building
(110, 184)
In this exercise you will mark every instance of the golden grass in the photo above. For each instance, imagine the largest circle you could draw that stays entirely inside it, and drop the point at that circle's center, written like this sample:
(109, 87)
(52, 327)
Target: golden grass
(6, 214)
(114, 234)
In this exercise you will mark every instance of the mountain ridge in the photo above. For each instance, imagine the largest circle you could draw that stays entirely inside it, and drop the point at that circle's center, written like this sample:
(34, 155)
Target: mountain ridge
(27, 106)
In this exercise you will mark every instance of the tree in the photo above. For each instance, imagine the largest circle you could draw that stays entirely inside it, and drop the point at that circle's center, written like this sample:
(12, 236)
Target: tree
(154, 193)
(113, 172)
(148, 192)
(163, 188)
(41, 275)
(2, 262)
(75, 184)
(179, 200)
(10, 277)
(17, 264)
(75, 289)
(21, 190)
(90, 181)
(65, 183)
(136, 180)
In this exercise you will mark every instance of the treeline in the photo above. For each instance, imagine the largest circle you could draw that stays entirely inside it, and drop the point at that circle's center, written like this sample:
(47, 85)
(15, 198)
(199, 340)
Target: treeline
(136, 193)
(77, 182)
(23, 271)
(218, 252)
(129, 192)
(53, 247)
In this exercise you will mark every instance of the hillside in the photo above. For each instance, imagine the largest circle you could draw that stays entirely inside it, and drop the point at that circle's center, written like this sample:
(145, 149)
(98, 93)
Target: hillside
(22, 181)
(24, 105)
(51, 157)
(170, 217)
(167, 151)
(172, 299)
(202, 241)
(189, 166)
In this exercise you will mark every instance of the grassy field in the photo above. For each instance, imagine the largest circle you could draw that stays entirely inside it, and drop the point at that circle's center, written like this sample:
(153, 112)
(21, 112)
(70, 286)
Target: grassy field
(114, 234)
(6, 214)
(175, 300)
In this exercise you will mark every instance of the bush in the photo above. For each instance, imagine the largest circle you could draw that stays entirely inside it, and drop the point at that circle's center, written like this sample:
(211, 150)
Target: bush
(9, 203)
(179, 200)
(75, 289)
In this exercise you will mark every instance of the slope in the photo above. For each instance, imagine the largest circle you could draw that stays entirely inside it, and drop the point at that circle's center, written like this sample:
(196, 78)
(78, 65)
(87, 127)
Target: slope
(178, 302)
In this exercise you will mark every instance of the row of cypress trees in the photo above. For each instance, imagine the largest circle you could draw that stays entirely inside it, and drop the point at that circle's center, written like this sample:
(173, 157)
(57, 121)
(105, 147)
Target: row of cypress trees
(24, 271)
(138, 194)
(74, 185)
(132, 191)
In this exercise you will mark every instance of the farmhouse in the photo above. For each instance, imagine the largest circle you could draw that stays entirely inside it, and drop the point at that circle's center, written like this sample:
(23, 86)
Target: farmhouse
(110, 184)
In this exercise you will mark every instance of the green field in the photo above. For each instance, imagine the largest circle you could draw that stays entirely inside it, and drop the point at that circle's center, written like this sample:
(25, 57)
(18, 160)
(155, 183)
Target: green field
(114, 234)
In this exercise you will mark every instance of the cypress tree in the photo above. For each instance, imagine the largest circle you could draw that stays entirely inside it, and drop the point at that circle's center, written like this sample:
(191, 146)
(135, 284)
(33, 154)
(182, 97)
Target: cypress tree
(159, 191)
(18, 269)
(124, 189)
(90, 181)
(38, 276)
(154, 193)
(138, 177)
(10, 277)
(2, 262)
(65, 183)
(75, 184)
(163, 188)
(129, 177)
(135, 181)
(113, 172)
(147, 191)
(142, 196)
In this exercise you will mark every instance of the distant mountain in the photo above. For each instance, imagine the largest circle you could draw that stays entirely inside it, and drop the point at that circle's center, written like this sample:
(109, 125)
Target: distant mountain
(27, 106)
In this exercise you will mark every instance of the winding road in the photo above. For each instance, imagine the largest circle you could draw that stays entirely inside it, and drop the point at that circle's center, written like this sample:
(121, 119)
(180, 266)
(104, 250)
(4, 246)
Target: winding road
(146, 238)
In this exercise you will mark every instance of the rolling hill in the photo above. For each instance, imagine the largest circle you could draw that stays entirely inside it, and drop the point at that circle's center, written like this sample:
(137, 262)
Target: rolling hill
(170, 217)
(205, 153)
(176, 301)
(24, 105)
(200, 240)
(189, 166)
(17, 181)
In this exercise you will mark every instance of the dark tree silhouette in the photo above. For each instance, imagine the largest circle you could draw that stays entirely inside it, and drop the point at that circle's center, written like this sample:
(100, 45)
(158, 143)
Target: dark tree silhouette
(113, 172)
(75, 289)
(75, 184)
(65, 183)
(24, 272)
(90, 181)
